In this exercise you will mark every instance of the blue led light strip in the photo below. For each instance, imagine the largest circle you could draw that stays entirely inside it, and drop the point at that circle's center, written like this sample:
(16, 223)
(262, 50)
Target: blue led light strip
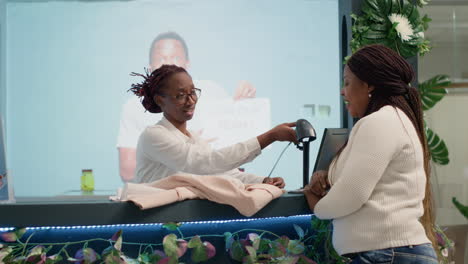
(6, 229)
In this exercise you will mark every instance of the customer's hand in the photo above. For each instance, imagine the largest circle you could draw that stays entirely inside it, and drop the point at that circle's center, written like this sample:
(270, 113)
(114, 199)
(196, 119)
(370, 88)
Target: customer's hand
(319, 183)
(276, 181)
(311, 197)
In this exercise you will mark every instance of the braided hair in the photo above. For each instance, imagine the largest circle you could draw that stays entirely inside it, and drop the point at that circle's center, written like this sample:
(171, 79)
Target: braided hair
(153, 84)
(390, 74)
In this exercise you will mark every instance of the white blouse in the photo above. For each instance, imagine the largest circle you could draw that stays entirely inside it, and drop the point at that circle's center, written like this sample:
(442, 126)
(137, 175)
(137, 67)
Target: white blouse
(163, 150)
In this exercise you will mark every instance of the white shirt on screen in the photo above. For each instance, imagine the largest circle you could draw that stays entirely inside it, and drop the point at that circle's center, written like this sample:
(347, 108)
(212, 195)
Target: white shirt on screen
(163, 150)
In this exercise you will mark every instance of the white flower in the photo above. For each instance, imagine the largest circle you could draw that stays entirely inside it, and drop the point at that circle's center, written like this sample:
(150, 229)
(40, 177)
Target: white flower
(403, 28)
(423, 2)
(420, 34)
(445, 252)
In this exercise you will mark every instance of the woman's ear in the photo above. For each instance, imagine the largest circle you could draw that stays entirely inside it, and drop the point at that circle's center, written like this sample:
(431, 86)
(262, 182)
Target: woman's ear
(158, 100)
(370, 88)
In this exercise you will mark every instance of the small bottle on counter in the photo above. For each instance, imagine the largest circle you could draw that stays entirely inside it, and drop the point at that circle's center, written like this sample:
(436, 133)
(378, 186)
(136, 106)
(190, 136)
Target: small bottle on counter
(87, 180)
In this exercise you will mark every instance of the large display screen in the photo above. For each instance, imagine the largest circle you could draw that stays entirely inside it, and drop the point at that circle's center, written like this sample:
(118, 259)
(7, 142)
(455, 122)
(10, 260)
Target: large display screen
(258, 63)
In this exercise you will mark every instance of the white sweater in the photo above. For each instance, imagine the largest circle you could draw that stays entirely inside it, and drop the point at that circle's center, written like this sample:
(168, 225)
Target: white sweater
(378, 184)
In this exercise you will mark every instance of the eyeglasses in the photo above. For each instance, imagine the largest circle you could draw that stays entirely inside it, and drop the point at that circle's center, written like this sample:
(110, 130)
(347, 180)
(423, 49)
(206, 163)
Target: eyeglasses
(182, 98)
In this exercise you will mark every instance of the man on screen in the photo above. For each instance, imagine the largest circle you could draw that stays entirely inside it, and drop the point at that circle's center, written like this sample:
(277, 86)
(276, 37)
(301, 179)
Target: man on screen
(166, 48)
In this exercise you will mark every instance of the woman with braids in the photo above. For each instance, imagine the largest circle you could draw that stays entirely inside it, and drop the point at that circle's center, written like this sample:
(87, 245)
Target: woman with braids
(379, 189)
(168, 147)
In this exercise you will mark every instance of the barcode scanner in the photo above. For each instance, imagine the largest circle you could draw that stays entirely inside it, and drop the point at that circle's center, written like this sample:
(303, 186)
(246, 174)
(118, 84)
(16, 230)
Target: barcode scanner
(305, 134)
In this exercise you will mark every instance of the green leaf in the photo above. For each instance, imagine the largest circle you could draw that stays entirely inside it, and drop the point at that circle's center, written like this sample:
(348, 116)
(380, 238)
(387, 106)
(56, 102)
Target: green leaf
(89, 255)
(376, 36)
(279, 247)
(37, 250)
(462, 208)
(203, 252)
(295, 247)
(170, 245)
(264, 245)
(289, 260)
(199, 254)
(194, 242)
(431, 91)
(4, 253)
(425, 22)
(144, 258)
(111, 255)
(156, 256)
(237, 252)
(379, 27)
(112, 259)
(305, 260)
(53, 259)
(172, 226)
(228, 240)
(377, 10)
(411, 12)
(437, 148)
(299, 231)
(251, 255)
(283, 240)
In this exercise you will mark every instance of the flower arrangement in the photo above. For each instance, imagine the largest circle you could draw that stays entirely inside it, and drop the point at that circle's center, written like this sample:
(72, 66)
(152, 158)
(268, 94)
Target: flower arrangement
(393, 23)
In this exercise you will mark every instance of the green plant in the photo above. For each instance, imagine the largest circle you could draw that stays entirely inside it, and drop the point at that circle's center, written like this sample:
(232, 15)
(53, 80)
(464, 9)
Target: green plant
(313, 247)
(462, 208)
(431, 92)
(17, 251)
(393, 23)
(245, 246)
(321, 248)
(266, 248)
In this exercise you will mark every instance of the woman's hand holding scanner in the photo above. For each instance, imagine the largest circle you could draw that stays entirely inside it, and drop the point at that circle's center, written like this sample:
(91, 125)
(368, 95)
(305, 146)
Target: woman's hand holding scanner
(276, 181)
(319, 183)
(282, 132)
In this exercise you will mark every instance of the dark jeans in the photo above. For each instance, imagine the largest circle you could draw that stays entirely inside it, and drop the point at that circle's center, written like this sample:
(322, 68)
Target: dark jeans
(419, 254)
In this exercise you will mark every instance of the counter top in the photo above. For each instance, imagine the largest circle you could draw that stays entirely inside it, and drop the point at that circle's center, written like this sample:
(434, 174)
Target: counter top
(99, 210)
